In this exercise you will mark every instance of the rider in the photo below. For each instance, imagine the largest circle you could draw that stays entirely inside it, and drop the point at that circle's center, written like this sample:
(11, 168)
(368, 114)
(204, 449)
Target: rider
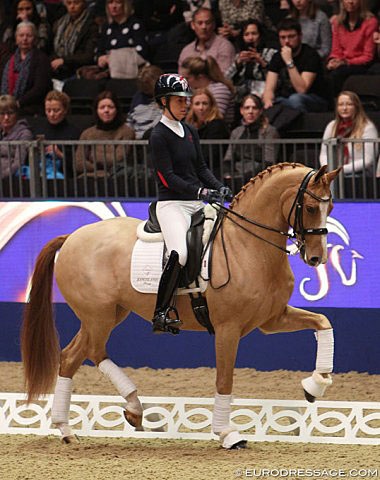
(184, 180)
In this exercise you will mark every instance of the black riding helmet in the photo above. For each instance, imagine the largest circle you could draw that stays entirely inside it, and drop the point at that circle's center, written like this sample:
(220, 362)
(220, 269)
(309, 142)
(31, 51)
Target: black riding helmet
(170, 85)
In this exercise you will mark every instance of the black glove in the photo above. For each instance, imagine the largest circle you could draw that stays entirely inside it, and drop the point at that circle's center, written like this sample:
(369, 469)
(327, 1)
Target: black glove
(226, 193)
(210, 196)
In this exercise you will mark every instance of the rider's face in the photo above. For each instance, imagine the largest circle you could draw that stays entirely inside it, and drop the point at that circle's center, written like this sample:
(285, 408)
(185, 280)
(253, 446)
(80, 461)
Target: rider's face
(178, 107)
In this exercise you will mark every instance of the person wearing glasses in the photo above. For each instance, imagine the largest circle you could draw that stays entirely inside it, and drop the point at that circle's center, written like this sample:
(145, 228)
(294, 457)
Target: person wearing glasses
(295, 73)
(12, 157)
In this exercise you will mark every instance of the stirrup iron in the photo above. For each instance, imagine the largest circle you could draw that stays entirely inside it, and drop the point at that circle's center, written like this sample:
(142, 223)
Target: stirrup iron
(162, 322)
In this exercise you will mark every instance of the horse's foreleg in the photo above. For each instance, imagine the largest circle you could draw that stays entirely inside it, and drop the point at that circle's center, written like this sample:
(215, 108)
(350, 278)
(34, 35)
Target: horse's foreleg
(226, 346)
(295, 319)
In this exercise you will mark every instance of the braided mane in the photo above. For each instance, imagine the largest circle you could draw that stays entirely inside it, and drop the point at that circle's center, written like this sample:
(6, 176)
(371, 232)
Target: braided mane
(262, 176)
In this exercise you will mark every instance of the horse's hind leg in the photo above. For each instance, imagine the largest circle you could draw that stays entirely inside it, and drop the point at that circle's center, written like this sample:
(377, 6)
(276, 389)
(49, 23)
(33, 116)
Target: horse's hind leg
(123, 384)
(92, 346)
(127, 389)
(72, 357)
(294, 319)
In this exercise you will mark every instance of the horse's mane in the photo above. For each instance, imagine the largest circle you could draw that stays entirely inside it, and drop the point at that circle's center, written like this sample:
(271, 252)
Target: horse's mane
(256, 181)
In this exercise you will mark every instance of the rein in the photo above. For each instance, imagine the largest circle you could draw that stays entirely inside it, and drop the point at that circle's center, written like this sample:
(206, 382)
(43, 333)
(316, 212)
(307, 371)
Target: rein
(297, 236)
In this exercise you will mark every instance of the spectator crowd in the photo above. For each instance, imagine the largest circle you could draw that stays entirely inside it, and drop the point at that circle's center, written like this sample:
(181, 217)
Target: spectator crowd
(253, 66)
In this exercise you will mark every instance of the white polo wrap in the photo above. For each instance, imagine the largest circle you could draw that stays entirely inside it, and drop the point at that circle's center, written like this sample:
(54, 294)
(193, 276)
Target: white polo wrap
(61, 401)
(222, 412)
(122, 383)
(325, 351)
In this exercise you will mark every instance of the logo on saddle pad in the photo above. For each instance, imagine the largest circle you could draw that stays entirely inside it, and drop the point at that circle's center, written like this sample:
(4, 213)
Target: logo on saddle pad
(149, 253)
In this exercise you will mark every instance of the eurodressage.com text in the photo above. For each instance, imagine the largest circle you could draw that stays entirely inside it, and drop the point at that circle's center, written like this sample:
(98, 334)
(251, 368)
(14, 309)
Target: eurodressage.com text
(306, 472)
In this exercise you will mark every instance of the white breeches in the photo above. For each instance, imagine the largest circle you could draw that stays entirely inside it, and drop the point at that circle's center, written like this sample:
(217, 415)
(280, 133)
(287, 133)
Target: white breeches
(174, 217)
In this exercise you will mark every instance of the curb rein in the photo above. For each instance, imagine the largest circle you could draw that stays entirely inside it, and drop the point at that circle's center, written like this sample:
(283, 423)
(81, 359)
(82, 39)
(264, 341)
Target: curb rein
(297, 237)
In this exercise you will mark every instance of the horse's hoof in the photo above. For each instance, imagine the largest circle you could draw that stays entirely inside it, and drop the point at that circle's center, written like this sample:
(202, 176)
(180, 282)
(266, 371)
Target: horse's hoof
(70, 439)
(232, 440)
(133, 420)
(310, 398)
(239, 445)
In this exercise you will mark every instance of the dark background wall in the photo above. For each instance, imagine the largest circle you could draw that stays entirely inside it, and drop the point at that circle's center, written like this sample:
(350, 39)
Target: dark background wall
(132, 344)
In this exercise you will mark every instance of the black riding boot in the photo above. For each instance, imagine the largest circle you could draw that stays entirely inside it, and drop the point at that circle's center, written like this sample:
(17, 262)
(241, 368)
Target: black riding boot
(168, 284)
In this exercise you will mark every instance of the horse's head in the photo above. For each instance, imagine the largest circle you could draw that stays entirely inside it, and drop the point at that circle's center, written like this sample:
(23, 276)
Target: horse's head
(308, 214)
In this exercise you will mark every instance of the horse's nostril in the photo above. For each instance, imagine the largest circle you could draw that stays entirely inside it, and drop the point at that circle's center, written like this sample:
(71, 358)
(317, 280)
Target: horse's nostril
(314, 261)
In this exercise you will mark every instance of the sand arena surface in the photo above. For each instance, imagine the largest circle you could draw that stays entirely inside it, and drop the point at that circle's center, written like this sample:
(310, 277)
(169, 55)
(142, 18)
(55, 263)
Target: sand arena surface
(45, 458)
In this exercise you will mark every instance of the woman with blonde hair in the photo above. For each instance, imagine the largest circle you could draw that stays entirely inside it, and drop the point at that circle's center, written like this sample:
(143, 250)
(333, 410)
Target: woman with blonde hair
(122, 44)
(315, 25)
(353, 47)
(204, 115)
(206, 73)
(351, 121)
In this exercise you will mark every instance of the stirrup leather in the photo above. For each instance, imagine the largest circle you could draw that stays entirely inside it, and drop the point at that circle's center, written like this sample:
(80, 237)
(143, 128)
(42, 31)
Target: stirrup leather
(163, 323)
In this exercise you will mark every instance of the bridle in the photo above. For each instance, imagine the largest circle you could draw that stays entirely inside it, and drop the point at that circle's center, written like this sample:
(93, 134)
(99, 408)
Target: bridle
(298, 228)
(297, 236)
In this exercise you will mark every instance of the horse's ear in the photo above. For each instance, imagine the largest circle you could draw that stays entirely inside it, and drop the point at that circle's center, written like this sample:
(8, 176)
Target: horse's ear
(320, 173)
(331, 175)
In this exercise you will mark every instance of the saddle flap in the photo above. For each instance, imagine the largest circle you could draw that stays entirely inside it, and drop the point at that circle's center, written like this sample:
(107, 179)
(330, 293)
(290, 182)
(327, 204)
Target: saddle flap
(194, 247)
(152, 225)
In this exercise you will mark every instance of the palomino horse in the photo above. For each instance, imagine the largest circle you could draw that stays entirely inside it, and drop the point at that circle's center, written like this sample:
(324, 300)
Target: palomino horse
(249, 264)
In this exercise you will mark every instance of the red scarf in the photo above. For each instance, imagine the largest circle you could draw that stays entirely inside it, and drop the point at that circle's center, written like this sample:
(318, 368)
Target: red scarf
(344, 130)
(12, 76)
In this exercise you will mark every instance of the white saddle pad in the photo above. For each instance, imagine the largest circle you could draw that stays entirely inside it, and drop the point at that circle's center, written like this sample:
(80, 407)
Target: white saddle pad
(146, 268)
(147, 259)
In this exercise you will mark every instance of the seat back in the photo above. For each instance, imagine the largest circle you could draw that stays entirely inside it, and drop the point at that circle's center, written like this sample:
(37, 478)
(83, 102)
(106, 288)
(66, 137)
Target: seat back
(367, 87)
(124, 89)
(82, 93)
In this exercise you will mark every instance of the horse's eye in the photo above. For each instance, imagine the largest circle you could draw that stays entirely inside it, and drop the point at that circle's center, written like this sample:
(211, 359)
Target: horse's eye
(311, 210)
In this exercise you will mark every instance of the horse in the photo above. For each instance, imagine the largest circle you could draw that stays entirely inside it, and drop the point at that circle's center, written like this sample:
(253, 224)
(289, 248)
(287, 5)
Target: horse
(250, 286)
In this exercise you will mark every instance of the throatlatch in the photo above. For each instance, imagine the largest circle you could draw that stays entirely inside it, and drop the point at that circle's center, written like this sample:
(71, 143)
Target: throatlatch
(164, 306)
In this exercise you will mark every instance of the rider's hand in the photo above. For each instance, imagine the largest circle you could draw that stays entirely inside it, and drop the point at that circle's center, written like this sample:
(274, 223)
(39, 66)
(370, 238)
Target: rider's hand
(210, 196)
(226, 193)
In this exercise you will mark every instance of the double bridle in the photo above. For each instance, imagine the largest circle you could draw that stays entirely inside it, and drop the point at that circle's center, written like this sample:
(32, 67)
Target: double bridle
(297, 236)
(298, 228)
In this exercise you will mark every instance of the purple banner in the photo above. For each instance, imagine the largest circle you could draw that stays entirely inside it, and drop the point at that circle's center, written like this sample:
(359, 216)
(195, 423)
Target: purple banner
(348, 280)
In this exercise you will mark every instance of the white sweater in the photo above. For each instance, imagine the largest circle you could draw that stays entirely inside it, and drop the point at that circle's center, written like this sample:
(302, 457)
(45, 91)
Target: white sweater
(355, 150)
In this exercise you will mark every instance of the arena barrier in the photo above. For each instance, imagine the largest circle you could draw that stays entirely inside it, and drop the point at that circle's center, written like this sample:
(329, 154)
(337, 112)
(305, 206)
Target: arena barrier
(190, 418)
(130, 174)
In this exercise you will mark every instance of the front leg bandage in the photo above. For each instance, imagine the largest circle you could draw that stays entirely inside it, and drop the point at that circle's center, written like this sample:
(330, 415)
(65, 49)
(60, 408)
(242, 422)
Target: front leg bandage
(325, 351)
